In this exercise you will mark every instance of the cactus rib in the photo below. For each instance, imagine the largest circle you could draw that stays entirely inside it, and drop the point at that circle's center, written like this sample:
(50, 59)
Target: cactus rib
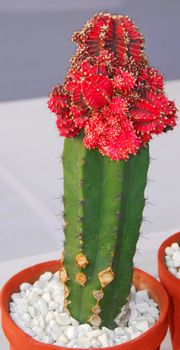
(103, 218)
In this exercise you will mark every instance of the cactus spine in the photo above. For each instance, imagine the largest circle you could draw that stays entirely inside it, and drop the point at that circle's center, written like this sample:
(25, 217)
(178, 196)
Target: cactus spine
(103, 204)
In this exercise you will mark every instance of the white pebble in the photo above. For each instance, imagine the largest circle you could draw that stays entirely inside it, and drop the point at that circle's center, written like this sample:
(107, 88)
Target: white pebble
(41, 322)
(15, 316)
(74, 322)
(173, 260)
(135, 334)
(35, 321)
(103, 340)
(95, 343)
(55, 330)
(56, 276)
(84, 328)
(25, 286)
(32, 311)
(83, 342)
(71, 343)
(62, 340)
(38, 331)
(124, 338)
(64, 319)
(175, 246)
(176, 259)
(39, 285)
(130, 330)
(178, 274)
(142, 295)
(133, 315)
(41, 306)
(15, 297)
(170, 263)
(168, 257)
(12, 307)
(154, 312)
(142, 307)
(53, 305)
(142, 325)
(172, 270)
(33, 297)
(46, 296)
(176, 264)
(49, 316)
(94, 333)
(119, 331)
(108, 332)
(55, 333)
(151, 320)
(46, 276)
(132, 304)
(26, 317)
(71, 332)
(133, 292)
(169, 251)
(47, 339)
(29, 331)
(22, 306)
(39, 311)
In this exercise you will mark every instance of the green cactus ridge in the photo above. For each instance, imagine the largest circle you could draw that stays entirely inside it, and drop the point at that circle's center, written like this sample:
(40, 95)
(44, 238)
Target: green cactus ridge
(103, 205)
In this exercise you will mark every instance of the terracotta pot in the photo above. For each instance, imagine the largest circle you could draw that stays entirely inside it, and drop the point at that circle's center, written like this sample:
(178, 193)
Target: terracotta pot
(19, 340)
(172, 284)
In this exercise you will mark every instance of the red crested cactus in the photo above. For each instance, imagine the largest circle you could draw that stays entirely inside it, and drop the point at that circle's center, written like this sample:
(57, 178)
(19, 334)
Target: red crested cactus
(111, 81)
(112, 103)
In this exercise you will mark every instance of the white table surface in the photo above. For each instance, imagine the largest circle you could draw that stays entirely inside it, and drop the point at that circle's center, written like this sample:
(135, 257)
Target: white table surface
(29, 166)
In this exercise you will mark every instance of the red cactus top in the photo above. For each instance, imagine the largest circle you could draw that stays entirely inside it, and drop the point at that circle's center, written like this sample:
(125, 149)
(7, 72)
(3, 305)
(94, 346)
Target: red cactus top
(110, 91)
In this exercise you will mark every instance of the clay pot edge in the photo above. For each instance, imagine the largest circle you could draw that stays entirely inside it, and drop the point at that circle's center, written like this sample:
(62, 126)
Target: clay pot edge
(50, 265)
(167, 277)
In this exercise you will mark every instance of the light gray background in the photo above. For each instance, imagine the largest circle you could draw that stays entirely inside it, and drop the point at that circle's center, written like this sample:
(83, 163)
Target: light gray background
(35, 39)
(34, 49)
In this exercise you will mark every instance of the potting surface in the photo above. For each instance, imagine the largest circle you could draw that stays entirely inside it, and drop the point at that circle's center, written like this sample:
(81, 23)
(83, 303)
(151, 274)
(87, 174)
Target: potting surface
(30, 157)
(9, 268)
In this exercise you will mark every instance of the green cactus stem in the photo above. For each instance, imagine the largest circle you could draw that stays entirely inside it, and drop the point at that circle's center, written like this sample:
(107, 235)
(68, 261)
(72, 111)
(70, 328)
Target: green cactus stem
(103, 205)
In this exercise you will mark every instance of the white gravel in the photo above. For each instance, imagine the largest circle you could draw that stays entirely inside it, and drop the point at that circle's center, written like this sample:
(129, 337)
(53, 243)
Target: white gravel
(38, 310)
(172, 258)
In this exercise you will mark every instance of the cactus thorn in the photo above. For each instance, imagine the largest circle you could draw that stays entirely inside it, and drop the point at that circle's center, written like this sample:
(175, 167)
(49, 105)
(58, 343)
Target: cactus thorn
(146, 220)
(151, 203)
(150, 180)
(80, 219)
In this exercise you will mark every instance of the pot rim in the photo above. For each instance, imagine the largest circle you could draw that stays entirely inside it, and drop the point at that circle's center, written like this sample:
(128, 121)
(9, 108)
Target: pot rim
(163, 317)
(161, 259)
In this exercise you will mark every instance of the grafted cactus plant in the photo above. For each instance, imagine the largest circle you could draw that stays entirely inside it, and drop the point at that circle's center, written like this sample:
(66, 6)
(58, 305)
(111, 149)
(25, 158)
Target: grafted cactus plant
(108, 108)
